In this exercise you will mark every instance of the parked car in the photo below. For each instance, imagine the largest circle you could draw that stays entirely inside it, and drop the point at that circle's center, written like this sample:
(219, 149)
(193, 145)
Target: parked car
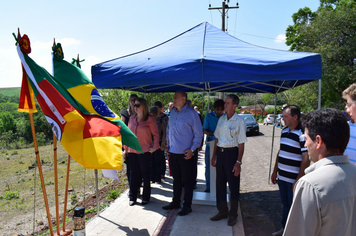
(251, 124)
(279, 120)
(269, 119)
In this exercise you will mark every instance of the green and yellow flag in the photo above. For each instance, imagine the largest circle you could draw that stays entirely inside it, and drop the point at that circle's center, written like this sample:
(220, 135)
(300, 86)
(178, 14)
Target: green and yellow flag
(87, 129)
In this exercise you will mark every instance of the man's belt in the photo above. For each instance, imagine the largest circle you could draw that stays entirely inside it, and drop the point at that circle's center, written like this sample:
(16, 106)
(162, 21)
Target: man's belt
(223, 149)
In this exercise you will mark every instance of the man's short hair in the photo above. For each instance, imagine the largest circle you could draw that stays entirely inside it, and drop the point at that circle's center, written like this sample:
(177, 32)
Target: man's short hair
(350, 92)
(183, 94)
(293, 110)
(158, 104)
(219, 104)
(332, 127)
(235, 99)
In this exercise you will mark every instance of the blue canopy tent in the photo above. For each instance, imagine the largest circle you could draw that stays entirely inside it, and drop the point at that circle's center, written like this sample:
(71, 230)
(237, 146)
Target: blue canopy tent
(204, 58)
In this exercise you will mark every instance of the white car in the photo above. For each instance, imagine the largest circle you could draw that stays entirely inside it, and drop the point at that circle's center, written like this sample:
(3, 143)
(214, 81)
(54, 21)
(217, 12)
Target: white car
(269, 119)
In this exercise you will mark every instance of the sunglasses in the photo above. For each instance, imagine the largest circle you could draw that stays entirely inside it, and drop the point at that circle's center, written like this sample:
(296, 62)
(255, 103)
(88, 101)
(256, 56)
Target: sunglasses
(137, 105)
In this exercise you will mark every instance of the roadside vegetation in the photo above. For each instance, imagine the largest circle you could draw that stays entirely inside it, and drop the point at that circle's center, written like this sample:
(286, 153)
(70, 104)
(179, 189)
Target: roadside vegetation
(329, 31)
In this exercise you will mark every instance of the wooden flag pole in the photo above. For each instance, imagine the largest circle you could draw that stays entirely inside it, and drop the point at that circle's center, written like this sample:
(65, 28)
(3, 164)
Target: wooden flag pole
(56, 180)
(41, 174)
(97, 191)
(66, 196)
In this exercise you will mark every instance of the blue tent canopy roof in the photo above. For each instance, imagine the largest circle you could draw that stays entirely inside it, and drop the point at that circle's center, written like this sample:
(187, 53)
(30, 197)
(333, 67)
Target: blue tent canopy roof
(205, 58)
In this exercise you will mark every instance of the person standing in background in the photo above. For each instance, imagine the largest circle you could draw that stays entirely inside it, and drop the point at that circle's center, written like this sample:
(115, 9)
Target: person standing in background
(170, 107)
(125, 117)
(156, 159)
(349, 95)
(162, 135)
(291, 161)
(209, 126)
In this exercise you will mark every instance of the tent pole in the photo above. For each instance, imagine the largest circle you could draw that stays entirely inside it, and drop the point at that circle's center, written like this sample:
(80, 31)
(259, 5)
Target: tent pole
(319, 95)
(274, 126)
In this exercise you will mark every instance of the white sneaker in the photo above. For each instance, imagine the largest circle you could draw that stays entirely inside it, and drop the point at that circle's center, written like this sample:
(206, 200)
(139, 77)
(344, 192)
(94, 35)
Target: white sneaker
(278, 233)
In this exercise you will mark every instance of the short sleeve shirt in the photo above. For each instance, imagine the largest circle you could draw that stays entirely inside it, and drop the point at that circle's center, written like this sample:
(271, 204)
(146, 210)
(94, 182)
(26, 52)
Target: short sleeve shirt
(230, 132)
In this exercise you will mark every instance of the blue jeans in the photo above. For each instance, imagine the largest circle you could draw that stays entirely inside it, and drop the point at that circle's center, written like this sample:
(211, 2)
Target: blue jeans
(286, 194)
(207, 167)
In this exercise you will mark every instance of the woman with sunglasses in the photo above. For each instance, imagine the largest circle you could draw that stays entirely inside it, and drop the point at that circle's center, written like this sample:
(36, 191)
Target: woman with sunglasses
(144, 126)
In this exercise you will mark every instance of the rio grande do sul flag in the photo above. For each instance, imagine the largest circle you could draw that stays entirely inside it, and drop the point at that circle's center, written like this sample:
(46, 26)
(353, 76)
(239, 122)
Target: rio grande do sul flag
(92, 141)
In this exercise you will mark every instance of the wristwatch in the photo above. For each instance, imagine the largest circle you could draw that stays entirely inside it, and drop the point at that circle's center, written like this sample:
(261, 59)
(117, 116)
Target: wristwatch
(192, 150)
(237, 161)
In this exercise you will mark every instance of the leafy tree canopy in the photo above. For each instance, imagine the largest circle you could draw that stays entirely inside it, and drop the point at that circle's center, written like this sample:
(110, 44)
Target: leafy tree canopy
(331, 32)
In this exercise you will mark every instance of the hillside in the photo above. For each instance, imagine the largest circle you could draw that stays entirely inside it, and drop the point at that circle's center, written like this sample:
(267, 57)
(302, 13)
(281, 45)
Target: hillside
(10, 91)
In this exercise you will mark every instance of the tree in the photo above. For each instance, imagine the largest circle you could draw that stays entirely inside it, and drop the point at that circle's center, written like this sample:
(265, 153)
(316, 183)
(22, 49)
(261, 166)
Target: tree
(7, 122)
(331, 32)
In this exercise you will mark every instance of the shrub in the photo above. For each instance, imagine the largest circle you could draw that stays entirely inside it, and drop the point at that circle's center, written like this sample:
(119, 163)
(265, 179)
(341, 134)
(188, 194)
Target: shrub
(11, 195)
(113, 193)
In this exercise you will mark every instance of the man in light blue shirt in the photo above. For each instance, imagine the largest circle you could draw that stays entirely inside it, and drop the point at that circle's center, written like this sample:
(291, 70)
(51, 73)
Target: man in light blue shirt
(209, 126)
(184, 136)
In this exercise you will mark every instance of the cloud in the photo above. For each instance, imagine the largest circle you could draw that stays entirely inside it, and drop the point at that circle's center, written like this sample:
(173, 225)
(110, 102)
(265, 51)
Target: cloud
(66, 42)
(281, 38)
(10, 66)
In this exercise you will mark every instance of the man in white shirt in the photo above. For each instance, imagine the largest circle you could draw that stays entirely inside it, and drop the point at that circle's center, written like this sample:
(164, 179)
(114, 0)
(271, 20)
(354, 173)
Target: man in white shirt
(324, 199)
(229, 147)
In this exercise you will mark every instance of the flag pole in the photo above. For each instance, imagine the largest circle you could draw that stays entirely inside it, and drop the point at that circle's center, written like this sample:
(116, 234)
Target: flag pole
(41, 174)
(97, 191)
(56, 179)
(66, 198)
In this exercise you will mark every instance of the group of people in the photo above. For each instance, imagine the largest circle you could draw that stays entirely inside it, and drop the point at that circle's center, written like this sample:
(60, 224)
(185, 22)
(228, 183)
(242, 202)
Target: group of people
(317, 199)
(182, 136)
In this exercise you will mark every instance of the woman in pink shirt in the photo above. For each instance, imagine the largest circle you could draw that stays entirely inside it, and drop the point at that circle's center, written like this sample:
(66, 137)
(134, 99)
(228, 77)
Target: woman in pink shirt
(144, 126)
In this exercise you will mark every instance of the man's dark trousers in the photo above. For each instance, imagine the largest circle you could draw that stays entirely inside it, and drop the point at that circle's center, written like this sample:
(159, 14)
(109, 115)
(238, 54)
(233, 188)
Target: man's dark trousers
(184, 173)
(225, 162)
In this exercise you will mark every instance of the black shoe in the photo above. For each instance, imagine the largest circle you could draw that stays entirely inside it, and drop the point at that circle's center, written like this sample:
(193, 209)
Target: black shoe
(207, 190)
(218, 216)
(171, 206)
(185, 211)
(131, 203)
(144, 202)
(232, 221)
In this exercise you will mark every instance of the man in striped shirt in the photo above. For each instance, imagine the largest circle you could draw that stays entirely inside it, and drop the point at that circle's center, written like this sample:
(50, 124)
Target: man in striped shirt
(229, 147)
(291, 161)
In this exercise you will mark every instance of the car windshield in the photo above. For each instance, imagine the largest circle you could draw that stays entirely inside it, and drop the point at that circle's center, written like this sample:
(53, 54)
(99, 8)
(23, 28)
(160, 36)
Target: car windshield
(248, 118)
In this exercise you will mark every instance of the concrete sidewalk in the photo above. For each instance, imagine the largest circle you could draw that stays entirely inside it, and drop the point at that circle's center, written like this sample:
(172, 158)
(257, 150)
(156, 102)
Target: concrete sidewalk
(121, 219)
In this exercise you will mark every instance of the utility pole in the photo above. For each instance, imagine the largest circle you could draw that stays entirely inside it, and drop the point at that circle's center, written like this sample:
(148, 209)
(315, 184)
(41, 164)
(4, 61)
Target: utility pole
(224, 9)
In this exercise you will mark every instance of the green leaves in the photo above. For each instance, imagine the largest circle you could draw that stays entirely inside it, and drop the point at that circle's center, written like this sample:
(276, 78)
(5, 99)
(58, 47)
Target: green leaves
(331, 32)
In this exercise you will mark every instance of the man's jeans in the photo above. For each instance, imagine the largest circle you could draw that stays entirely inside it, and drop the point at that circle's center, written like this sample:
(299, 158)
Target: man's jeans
(207, 167)
(286, 194)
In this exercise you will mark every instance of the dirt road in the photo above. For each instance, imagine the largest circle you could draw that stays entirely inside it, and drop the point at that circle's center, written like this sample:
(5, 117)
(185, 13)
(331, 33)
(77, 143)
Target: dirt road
(260, 203)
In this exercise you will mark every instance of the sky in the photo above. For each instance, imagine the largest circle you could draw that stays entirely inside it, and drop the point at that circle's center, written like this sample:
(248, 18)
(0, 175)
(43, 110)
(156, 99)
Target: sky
(103, 30)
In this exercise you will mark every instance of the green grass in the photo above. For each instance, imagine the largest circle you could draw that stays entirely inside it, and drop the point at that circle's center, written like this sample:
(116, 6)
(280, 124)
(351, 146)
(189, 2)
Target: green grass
(17, 181)
(10, 91)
